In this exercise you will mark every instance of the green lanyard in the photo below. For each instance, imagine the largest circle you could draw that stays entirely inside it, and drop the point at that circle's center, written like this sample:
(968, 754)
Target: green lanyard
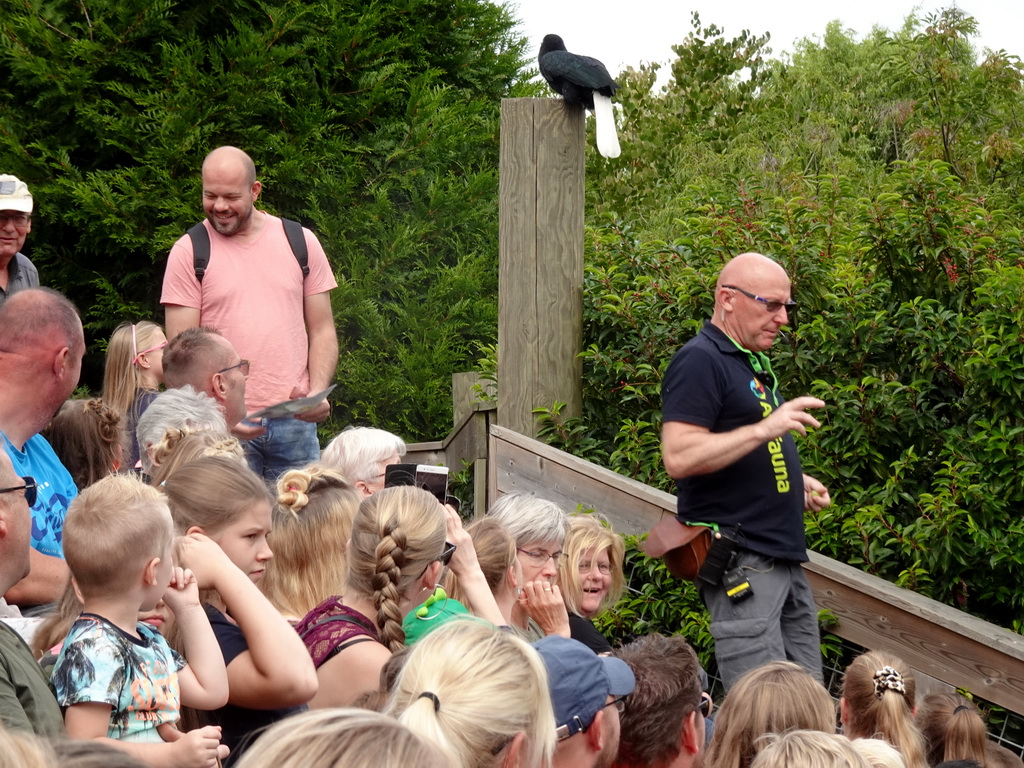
(761, 365)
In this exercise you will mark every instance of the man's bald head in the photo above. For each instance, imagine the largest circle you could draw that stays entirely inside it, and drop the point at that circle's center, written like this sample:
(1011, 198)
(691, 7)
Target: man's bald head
(230, 190)
(227, 159)
(751, 267)
(40, 318)
(752, 298)
(41, 350)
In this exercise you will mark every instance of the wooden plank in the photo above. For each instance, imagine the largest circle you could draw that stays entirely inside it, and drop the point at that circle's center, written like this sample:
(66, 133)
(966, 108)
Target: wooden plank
(517, 265)
(540, 259)
(465, 399)
(480, 500)
(425, 453)
(939, 640)
(559, 304)
(520, 463)
(926, 685)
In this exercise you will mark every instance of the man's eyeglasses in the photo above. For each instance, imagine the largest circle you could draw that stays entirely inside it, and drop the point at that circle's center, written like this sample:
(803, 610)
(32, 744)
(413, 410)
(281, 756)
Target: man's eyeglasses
(771, 306)
(541, 558)
(29, 488)
(242, 366)
(18, 219)
(619, 704)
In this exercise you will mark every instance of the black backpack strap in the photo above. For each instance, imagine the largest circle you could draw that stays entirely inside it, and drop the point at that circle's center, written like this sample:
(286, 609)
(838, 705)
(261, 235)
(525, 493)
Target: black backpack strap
(200, 249)
(297, 240)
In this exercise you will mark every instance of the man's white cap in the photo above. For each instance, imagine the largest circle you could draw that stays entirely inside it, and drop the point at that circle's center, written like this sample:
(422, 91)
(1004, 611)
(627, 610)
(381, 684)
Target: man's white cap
(14, 194)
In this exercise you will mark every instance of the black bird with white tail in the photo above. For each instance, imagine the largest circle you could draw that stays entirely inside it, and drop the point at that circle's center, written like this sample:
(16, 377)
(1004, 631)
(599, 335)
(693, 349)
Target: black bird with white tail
(582, 80)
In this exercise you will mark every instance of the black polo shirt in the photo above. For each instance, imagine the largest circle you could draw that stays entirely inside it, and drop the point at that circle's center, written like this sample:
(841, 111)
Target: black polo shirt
(712, 383)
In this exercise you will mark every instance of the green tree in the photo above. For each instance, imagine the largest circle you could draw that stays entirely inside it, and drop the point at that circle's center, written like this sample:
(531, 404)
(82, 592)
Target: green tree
(373, 123)
(906, 263)
(962, 112)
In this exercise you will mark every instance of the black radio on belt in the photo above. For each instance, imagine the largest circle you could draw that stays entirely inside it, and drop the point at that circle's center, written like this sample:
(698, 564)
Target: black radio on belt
(720, 554)
(736, 584)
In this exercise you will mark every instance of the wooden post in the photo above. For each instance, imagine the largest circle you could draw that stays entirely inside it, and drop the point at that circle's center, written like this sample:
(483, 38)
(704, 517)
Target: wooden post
(540, 258)
(464, 399)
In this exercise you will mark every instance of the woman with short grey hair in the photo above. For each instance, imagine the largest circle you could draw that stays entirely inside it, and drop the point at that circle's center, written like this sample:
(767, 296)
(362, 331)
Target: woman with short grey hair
(539, 527)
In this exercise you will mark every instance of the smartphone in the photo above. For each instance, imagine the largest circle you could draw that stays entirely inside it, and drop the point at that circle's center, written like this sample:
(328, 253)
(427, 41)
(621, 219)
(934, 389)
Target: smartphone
(425, 476)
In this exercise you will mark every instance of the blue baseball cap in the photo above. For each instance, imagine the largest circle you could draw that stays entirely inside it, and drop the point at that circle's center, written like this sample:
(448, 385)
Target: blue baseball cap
(580, 682)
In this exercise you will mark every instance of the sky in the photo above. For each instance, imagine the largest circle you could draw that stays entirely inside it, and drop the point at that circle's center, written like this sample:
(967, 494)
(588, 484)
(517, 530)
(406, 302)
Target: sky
(627, 32)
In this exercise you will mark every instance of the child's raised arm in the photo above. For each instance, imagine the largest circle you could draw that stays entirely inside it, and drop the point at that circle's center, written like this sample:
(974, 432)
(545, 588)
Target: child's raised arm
(200, 748)
(204, 681)
(276, 671)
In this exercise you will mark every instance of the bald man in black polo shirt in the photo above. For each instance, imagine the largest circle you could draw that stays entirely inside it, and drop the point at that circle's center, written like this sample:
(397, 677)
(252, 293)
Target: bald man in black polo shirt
(727, 442)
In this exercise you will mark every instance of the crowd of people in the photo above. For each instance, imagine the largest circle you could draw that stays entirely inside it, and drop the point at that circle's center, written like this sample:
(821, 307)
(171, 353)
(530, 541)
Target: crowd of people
(200, 585)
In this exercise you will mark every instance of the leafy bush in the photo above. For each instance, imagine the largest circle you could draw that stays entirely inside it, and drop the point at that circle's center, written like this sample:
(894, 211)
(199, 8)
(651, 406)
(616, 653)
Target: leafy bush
(374, 124)
(905, 258)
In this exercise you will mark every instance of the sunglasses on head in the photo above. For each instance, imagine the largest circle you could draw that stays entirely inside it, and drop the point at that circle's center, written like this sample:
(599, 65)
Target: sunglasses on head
(446, 553)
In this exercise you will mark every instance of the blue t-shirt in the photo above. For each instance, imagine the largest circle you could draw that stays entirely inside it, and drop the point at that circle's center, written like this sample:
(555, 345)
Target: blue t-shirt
(55, 490)
(712, 383)
(136, 676)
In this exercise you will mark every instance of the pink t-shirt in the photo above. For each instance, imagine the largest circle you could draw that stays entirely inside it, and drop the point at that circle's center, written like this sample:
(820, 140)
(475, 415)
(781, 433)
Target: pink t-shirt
(253, 294)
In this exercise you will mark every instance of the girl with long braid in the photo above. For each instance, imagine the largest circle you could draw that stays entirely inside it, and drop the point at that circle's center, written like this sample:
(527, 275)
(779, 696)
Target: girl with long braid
(395, 557)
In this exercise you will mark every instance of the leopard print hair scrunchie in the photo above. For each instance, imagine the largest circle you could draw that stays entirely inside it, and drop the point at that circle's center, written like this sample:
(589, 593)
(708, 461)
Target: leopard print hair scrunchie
(888, 679)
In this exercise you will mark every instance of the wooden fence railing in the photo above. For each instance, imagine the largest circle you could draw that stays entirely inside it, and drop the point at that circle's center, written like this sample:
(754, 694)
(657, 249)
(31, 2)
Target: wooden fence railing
(939, 641)
(465, 445)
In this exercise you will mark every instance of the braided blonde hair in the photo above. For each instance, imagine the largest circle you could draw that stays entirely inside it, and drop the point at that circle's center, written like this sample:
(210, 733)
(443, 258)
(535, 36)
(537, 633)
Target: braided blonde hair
(88, 438)
(397, 533)
(312, 524)
(180, 446)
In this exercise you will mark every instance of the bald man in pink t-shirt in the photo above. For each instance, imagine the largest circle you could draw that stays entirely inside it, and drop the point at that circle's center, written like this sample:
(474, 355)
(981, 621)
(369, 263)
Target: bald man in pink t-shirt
(254, 293)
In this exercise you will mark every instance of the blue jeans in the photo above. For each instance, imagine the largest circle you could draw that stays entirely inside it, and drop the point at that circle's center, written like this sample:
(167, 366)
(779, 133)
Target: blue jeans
(287, 444)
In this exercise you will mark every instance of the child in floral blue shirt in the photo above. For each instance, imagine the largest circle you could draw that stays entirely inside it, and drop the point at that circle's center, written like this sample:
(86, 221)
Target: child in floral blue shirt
(117, 678)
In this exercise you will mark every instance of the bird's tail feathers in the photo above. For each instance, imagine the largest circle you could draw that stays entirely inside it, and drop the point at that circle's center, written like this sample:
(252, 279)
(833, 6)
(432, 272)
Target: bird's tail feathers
(604, 118)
